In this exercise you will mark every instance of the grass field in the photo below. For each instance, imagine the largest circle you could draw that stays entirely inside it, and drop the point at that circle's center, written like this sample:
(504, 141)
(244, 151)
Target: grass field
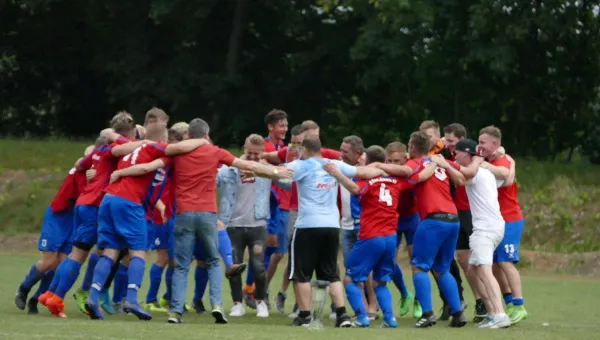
(559, 307)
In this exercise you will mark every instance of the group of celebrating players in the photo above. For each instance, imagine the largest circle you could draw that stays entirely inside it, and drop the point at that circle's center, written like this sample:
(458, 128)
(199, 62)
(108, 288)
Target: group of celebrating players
(143, 188)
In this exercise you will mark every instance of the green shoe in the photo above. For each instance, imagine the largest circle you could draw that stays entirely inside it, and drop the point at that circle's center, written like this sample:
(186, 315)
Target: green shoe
(405, 302)
(518, 315)
(155, 307)
(164, 303)
(417, 310)
(510, 308)
(80, 297)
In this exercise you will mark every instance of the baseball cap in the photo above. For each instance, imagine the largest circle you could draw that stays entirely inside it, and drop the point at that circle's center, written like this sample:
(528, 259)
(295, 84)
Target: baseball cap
(467, 145)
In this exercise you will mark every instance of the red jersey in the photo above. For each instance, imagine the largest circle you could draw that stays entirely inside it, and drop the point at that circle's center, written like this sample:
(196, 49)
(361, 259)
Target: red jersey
(196, 178)
(162, 189)
(326, 153)
(433, 195)
(379, 198)
(137, 188)
(283, 196)
(461, 200)
(68, 192)
(510, 208)
(407, 203)
(105, 163)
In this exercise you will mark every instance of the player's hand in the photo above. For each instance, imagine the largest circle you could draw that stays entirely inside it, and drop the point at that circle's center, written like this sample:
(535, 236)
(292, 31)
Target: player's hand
(163, 217)
(115, 176)
(284, 173)
(91, 173)
(500, 152)
(439, 160)
(247, 174)
(221, 225)
(331, 168)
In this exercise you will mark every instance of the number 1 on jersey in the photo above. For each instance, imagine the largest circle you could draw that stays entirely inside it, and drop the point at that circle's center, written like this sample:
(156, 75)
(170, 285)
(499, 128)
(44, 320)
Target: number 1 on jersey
(133, 155)
(384, 195)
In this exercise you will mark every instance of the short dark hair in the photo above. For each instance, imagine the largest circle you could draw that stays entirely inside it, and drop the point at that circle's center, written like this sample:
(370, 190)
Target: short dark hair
(155, 114)
(312, 144)
(355, 142)
(492, 131)
(198, 128)
(456, 129)
(297, 130)
(395, 147)
(429, 124)
(275, 116)
(175, 135)
(420, 141)
(375, 153)
(122, 123)
(309, 125)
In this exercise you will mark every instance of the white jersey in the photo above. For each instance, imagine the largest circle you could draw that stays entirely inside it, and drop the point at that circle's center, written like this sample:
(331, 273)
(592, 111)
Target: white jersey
(483, 199)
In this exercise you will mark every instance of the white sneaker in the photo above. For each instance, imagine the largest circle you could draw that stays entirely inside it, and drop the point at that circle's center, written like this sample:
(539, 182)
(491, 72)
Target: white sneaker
(262, 310)
(293, 315)
(496, 321)
(238, 309)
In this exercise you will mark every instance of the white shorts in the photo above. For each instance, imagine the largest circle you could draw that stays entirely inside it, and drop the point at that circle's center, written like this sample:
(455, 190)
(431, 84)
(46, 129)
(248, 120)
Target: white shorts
(483, 244)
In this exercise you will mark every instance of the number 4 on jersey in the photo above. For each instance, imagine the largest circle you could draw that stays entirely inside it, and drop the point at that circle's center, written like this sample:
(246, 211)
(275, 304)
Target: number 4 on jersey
(384, 195)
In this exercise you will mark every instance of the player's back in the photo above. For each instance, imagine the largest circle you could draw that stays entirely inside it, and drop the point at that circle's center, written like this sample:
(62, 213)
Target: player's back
(379, 198)
(161, 188)
(104, 163)
(68, 192)
(433, 194)
(507, 196)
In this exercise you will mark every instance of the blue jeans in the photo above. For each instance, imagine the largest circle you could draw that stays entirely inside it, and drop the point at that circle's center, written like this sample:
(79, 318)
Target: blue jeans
(349, 238)
(188, 226)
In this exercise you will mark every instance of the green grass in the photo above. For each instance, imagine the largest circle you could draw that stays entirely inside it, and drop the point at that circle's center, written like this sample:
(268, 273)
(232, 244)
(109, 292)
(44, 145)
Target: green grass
(559, 308)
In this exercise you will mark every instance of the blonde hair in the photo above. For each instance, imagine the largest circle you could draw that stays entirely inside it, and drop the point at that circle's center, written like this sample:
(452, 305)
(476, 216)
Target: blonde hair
(429, 124)
(255, 139)
(309, 125)
(154, 115)
(122, 123)
(181, 127)
(395, 147)
(492, 131)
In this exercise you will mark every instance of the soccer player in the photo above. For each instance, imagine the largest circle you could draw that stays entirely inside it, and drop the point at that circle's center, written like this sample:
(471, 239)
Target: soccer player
(408, 221)
(488, 231)
(195, 196)
(376, 248)
(56, 239)
(435, 238)
(154, 115)
(507, 253)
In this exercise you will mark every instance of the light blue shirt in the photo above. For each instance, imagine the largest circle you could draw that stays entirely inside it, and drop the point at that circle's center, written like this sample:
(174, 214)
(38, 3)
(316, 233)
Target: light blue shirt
(318, 192)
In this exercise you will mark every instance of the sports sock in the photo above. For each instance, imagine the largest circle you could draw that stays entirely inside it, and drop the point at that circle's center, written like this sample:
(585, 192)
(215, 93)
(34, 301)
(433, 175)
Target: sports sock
(44, 284)
(156, 273)
(354, 294)
(250, 276)
(169, 283)
(135, 275)
(201, 276)
(384, 299)
(69, 271)
(113, 272)
(508, 298)
(225, 248)
(449, 288)
(423, 290)
(399, 280)
(33, 277)
(101, 272)
(89, 272)
(340, 311)
(518, 301)
(55, 281)
(120, 284)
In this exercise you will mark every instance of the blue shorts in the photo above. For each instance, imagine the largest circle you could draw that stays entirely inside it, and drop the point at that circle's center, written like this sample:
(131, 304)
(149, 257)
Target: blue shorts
(160, 236)
(86, 225)
(377, 255)
(273, 222)
(508, 249)
(407, 226)
(282, 233)
(435, 244)
(57, 231)
(122, 224)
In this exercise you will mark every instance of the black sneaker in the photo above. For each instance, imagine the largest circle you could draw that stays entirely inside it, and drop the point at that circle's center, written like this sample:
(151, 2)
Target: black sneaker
(199, 307)
(302, 322)
(32, 306)
(21, 297)
(175, 318)
(427, 320)
(343, 321)
(458, 320)
(280, 302)
(480, 311)
(446, 313)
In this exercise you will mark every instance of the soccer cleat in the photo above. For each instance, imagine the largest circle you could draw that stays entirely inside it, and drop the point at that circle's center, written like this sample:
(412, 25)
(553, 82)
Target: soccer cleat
(301, 322)
(343, 321)
(496, 321)
(80, 297)
(262, 310)
(235, 270)
(187, 308)
(199, 307)
(294, 313)
(21, 297)
(484, 323)
(391, 323)
(237, 310)
(32, 308)
(42, 299)
(175, 318)
(405, 303)
(93, 310)
(118, 306)
(518, 315)
(106, 303)
(480, 311)
(458, 320)
(361, 322)
(219, 315)
(425, 321)
(417, 310)
(510, 308)
(249, 296)
(56, 306)
(155, 307)
(280, 302)
(164, 303)
(445, 313)
(136, 310)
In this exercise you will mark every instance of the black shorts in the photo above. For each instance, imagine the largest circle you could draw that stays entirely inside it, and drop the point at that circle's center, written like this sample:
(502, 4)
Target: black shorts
(465, 231)
(314, 250)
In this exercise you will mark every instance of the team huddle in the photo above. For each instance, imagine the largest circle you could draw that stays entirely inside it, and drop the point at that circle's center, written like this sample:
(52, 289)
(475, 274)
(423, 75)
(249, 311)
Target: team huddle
(152, 188)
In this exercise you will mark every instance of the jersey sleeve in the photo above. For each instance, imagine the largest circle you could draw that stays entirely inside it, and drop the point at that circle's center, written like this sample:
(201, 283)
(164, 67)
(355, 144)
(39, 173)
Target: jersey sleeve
(330, 153)
(347, 170)
(299, 169)
(121, 140)
(282, 153)
(454, 165)
(224, 156)
(503, 162)
(416, 166)
(86, 162)
(362, 186)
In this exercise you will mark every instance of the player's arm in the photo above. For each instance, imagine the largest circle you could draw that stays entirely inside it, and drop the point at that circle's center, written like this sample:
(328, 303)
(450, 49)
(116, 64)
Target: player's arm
(127, 148)
(426, 173)
(274, 157)
(455, 175)
(512, 172)
(110, 135)
(471, 170)
(394, 169)
(368, 172)
(185, 146)
(138, 169)
(161, 207)
(344, 180)
(285, 185)
(262, 170)
(500, 172)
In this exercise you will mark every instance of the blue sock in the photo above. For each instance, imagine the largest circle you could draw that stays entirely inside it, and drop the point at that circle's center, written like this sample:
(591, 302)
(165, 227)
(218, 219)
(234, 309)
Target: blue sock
(268, 252)
(120, 284)
(69, 271)
(423, 290)
(101, 273)
(44, 284)
(399, 280)
(201, 276)
(156, 273)
(250, 276)
(384, 299)
(449, 288)
(225, 248)
(355, 299)
(135, 275)
(55, 281)
(518, 301)
(89, 272)
(169, 283)
(33, 277)
(508, 298)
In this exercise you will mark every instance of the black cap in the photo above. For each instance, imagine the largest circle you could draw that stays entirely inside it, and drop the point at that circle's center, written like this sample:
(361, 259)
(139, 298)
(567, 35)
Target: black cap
(467, 145)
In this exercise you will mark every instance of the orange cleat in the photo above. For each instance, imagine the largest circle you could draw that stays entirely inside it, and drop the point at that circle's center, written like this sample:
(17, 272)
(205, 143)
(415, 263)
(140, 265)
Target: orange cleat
(56, 306)
(43, 299)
